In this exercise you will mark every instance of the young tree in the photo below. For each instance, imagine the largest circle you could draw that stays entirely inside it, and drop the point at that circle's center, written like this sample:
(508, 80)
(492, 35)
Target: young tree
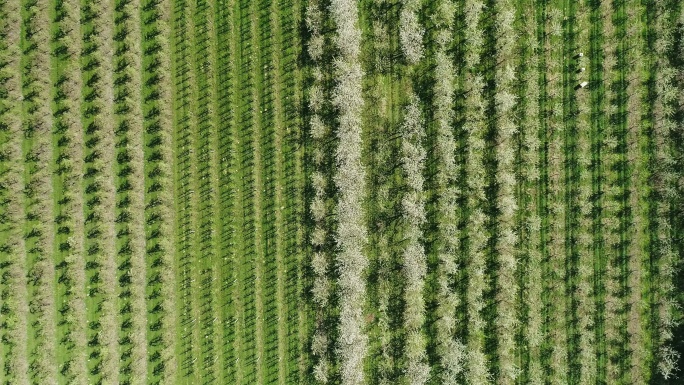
(584, 291)
(414, 260)
(507, 242)
(531, 221)
(157, 80)
(451, 350)
(350, 182)
(314, 21)
(105, 210)
(132, 118)
(637, 252)
(610, 205)
(13, 252)
(410, 31)
(70, 159)
(319, 133)
(38, 127)
(477, 371)
(665, 191)
(555, 280)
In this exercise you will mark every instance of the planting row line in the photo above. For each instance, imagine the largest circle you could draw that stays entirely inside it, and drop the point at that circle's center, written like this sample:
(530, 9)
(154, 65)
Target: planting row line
(15, 332)
(38, 204)
(159, 215)
(68, 186)
(225, 48)
(531, 218)
(130, 158)
(450, 348)
(474, 127)
(185, 138)
(101, 306)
